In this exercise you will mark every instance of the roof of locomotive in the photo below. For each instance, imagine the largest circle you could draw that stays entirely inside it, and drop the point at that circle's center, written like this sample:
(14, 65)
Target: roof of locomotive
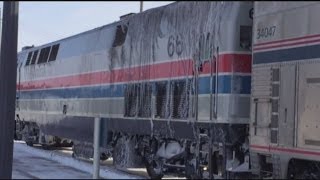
(270, 7)
(91, 31)
(106, 29)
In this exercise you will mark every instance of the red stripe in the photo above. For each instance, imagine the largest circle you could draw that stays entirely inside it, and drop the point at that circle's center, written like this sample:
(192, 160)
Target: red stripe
(227, 63)
(283, 45)
(285, 150)
(287, 40)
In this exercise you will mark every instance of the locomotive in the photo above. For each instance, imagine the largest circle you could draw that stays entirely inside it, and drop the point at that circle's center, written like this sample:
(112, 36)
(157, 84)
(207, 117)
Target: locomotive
(172, 87)
(284, 136)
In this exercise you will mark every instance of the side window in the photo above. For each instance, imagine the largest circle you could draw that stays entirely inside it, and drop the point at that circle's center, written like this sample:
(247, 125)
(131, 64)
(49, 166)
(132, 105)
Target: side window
(205, 46)
(245, 37)
(34, 57)
(120, 37)
(54, 52)
(44, 54)
(29, 58)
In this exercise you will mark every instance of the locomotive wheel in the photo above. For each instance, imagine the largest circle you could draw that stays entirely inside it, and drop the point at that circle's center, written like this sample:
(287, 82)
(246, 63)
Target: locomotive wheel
(191, 172)
(118, 153)
(154, 169)
(304, 171)
(124, 154)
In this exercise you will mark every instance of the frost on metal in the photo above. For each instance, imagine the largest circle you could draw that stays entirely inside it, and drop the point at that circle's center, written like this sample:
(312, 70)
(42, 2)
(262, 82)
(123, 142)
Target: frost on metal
(188, 30)
(188, 20)
(126, 156)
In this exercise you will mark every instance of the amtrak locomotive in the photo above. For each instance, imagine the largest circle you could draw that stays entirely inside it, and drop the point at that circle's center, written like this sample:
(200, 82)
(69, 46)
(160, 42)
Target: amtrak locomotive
(172, 86)
(284, 128)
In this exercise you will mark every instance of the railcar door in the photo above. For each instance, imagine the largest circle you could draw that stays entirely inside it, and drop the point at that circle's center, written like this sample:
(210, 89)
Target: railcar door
(273, 107)
(195, 91)
(286, 101)
(308, 111)
(262, 106)
(19, 65)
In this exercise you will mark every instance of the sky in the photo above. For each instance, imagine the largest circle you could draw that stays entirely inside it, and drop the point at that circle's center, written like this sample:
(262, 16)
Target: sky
(44, 22)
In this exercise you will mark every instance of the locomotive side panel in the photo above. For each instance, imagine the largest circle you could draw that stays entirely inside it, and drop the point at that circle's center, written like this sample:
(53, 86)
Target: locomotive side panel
(308, 132)
(155, 74)
(286, 42)
(58, 94)
(89, 76)
(272, 50)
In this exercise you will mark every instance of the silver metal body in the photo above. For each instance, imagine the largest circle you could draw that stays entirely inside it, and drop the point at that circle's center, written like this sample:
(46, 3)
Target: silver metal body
(173, 72)
(89, 76)
(285, 85)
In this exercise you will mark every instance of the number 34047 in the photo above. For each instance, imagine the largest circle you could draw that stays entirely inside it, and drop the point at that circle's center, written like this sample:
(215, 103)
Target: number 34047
(266, 32)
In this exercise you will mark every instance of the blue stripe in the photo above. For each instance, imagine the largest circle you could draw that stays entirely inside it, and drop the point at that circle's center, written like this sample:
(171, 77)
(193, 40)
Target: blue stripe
(292, 54)
(227, 84)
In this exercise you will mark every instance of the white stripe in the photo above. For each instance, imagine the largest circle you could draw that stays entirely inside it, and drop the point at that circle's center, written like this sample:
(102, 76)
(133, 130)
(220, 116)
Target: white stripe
(122, 98)
(225, 95)
(74, 99)
(286, 45)
(70, 114)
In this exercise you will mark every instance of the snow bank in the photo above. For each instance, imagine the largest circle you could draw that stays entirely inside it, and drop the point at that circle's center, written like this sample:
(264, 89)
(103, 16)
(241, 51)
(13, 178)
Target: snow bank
(105, 172)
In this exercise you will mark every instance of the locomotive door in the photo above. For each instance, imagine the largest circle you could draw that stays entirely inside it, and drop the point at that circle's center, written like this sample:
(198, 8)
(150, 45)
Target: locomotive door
(261, 107)
(261, 121)
(18, 81)
(286, 107)
(308, 105)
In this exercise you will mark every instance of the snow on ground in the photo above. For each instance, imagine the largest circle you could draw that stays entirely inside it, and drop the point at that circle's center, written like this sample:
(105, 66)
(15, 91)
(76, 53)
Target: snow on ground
(32, 163)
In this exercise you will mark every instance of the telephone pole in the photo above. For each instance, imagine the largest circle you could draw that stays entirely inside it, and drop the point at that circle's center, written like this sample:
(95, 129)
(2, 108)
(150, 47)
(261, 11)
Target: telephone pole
(8, 75)
(141, 6)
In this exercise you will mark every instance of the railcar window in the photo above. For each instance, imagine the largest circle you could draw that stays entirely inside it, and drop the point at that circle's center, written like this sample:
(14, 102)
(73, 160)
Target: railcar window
(120, 37)
(41, 56)
(34, 57)
(130, 100)
(205, 46)
(29, 58)
(144, 100)
(44, 53)
(245, 37)
(54, 52)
